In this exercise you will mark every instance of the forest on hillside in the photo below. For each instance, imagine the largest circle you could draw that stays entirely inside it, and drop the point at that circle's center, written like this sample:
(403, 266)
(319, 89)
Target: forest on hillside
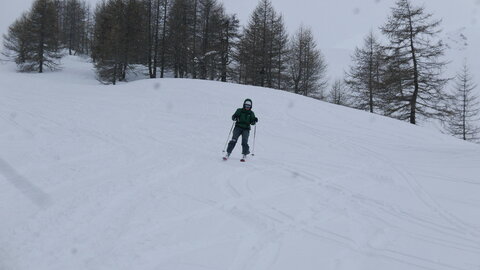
(402, 78)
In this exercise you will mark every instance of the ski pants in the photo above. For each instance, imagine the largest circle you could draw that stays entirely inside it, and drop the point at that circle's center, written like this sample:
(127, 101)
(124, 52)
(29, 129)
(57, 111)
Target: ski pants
(237, 131)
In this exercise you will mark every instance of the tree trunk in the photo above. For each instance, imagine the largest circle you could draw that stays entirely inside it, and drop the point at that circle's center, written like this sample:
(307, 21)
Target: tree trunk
(42, 38)
(149, 40)
(164, 34)
(226, 51)
(464, 112)
(194, 49)
(155, 54)
(264, 48)
(413, 102)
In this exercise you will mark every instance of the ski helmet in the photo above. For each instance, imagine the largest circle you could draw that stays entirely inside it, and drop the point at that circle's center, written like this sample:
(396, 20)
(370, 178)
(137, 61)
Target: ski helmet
(247, 103)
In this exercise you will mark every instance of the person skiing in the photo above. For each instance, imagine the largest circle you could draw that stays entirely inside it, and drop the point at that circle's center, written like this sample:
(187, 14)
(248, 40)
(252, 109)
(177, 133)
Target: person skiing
(244, 117)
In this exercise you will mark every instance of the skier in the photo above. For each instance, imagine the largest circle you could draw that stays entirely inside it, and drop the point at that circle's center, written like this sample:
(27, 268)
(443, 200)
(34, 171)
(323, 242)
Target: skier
(244, 117)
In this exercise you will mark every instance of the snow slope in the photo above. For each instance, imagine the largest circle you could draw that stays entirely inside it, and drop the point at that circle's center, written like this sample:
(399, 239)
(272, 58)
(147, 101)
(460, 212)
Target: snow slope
(131, 177)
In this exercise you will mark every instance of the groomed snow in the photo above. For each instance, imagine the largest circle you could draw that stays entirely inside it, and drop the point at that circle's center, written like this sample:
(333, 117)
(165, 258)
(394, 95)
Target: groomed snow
(131, 177)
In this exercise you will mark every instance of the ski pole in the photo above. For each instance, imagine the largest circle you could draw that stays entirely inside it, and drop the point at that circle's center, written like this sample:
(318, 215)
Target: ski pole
(224, 148)
(254, 135)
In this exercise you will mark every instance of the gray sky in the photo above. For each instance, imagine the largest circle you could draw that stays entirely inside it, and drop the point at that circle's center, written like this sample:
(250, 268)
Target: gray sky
(340, 25)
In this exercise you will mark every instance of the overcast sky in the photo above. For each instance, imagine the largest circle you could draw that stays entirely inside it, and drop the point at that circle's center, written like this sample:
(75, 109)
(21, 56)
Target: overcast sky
(340, 25)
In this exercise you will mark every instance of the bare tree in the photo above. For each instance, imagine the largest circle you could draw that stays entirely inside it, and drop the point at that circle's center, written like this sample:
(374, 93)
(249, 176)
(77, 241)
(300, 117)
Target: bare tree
(279, 54)
(75, 25)
(211, 14)
(15, 42)
(106, 47)
(180, 38)
(307, 66)
(229, 36)
(262, 48)
(417, 72)
(119, 39)
(165, 9)
(154, 18)
(33, 41)
(338, 94)
(365, 76)
(465, 118)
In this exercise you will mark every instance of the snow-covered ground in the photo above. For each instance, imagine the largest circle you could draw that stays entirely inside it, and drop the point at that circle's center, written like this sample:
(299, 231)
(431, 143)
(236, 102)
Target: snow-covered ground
(131, 177)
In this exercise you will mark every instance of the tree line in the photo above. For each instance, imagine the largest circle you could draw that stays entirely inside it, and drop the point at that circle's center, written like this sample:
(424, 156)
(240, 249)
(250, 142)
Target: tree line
(401, 78)
(36, 39)
(194, 39)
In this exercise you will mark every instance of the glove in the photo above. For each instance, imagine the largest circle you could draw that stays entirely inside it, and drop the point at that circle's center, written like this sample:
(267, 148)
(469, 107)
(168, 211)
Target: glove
(234, 118)
(254, 121)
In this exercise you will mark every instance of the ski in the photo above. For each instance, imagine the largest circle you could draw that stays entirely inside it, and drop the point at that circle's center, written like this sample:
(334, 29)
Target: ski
(244, 158)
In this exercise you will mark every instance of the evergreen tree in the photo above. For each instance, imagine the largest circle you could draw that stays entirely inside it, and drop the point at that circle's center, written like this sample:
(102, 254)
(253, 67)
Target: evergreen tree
(88, 34)
(279, 54)
(307, 66)
(163, 52)
(211, 16)
(338, 94)
(44, 35)
(229, 36)
(365, 76)
(16, 41)
(75, 25)
(32, 41)
(155, 21)
(120, 39)
(200, 36)
(262, 48)
(465, 117)
(180, 38)
(134, 36)
(418, 86)
(106, 47)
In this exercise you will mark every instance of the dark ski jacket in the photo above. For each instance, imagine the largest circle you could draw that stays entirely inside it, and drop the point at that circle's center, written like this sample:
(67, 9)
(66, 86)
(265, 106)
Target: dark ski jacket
(244, 117)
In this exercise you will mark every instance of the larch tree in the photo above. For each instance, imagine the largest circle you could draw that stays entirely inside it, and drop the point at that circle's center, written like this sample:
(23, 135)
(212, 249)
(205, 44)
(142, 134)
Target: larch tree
(307, 67)
(106, 49)
(229, 36)
(339, 94)
(465, 117)
(364, 78)
(74, 25)
(32, 41)
(181, 21)
(262, 48)
(415, 49)
(210, 23)
(155, 33)
(120, 39)
(163, 47)
(16, 41)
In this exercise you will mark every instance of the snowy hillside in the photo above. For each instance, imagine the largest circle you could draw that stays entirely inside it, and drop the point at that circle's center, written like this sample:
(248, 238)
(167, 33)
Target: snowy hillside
(131, 177)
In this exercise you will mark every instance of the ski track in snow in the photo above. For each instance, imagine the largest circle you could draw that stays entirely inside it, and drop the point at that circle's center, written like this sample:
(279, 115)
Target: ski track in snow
(131, 177)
